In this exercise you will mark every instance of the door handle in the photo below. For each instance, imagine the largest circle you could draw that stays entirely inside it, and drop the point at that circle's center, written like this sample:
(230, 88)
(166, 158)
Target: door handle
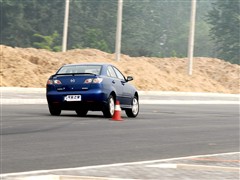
(123, 82)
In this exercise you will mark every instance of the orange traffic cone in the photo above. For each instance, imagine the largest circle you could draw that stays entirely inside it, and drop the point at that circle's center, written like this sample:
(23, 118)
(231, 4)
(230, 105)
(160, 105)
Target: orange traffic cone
(117, 112)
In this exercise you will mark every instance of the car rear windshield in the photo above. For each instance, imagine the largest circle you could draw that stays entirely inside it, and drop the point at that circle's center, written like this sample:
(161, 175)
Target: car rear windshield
(80, 69)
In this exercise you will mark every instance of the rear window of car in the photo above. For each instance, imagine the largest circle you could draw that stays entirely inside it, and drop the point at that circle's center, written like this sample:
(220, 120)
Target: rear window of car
(93, 69)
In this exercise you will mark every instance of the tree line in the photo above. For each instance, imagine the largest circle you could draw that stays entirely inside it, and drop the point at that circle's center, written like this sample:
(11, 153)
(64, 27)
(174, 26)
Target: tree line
(156, 28)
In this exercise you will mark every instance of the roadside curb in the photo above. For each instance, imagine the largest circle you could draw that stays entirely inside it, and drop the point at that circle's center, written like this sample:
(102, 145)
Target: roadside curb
(19, 95)
(152, 93)
(175, 93)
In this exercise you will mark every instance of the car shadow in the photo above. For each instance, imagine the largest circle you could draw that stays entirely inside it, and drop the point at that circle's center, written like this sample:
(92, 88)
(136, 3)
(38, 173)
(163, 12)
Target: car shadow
(87, 116)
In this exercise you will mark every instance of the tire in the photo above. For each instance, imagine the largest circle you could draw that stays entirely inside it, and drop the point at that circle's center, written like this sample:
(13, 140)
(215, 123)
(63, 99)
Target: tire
(81, 112)
(54, 111)
(133, 112)
(109, 109)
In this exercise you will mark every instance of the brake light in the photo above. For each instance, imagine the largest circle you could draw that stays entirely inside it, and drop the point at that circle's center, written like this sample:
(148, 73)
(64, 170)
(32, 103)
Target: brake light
(94, 80)
(56, 81)
(87, 81)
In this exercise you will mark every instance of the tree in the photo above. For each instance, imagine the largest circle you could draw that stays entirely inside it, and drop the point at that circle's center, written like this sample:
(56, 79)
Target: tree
(21, 19)
(89, 16)
(14, 27)
(225, 20)
(160, 28)
(94, 39)
(150, 27)
(47, 42)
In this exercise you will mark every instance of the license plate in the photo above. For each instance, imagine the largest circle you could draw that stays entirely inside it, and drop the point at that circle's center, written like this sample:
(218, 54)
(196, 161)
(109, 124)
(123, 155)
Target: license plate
(73, 98)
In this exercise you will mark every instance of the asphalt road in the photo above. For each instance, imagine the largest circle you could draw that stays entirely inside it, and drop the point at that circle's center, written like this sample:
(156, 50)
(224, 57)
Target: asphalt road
(31, 139)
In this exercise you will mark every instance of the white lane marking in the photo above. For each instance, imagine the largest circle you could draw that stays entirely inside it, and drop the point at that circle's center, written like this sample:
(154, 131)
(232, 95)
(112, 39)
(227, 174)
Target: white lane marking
(163, 166)
(114, 165)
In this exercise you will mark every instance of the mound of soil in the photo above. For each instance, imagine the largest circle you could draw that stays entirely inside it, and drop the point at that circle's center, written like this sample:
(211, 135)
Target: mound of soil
(29, 67)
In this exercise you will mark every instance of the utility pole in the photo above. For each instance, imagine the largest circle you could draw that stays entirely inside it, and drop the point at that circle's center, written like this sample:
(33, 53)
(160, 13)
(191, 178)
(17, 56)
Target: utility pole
(191, 37)
(65, 26)
(119, 31)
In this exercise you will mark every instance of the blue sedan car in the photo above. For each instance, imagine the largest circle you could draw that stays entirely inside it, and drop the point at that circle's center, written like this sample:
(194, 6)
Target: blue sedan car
(91, 87)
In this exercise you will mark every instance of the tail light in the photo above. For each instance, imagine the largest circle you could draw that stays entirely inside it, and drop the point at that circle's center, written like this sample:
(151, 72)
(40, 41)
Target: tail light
(88, 81)
(97, 80)
(93, 80)
(56, 81)
(50, 81)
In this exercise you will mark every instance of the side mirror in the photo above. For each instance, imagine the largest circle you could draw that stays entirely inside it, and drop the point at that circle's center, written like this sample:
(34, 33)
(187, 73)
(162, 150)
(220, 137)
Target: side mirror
(129, 78)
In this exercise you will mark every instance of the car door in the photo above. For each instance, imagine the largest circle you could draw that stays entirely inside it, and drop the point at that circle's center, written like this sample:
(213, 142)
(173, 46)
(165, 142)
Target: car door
(126, 89)
(115, 83)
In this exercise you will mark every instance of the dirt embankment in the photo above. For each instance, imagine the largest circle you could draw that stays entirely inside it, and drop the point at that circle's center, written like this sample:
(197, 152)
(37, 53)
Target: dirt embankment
(29, 67)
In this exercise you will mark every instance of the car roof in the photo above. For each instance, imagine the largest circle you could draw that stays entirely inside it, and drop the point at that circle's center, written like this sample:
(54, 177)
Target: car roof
(99, 64)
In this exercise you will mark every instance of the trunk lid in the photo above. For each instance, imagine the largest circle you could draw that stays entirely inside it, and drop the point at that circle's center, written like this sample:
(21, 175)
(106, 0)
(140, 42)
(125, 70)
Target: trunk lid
(73, 82)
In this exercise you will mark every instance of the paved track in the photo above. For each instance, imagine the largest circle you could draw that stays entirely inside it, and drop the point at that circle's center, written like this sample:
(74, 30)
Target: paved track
(31, 139)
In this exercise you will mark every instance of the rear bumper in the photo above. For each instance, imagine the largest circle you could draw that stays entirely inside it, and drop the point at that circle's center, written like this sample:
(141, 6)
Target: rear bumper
(92, 99)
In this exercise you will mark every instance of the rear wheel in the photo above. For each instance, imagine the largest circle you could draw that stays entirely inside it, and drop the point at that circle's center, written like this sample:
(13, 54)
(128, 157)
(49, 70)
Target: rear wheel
(109, 109)
(133, 112)
(81, 112)
(55, 111)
